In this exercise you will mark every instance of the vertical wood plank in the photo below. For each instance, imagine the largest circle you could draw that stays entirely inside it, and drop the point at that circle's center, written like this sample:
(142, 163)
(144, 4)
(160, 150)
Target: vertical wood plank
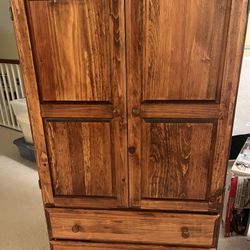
(100, 156)
(75, 144)
(233, 60)
(86, 152)
(202, 150)
(63, 159)
(134, 52)
(119, 95)
(30, 85)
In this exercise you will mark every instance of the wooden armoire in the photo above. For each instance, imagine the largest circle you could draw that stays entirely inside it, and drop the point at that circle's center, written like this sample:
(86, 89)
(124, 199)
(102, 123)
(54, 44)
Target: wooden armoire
(131, 105)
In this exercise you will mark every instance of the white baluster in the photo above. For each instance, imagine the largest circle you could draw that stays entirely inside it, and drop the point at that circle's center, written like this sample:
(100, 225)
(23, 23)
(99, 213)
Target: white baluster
(15, 80)
(20, 81)
(6, 119)
(12, 121)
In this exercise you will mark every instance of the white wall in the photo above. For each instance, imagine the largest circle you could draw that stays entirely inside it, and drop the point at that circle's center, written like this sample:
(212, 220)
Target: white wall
(242, 112)
(7, 38)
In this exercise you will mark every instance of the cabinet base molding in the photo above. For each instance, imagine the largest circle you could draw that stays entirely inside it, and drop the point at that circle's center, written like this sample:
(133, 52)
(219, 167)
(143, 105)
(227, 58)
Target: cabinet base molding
(71, 245)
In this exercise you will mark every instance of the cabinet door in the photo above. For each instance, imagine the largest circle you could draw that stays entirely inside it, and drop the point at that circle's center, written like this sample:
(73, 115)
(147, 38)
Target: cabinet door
(78, 50)
(183, 67)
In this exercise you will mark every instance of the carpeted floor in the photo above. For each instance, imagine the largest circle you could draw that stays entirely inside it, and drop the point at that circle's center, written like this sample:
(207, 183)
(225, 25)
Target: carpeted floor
(22, 221)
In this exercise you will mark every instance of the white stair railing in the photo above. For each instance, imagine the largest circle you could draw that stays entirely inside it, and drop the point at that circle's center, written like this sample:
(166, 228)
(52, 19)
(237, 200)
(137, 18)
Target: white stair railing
(11, 88)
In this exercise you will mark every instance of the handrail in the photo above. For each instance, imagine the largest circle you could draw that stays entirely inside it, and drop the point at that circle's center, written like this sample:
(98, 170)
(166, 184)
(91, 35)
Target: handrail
(9, 61)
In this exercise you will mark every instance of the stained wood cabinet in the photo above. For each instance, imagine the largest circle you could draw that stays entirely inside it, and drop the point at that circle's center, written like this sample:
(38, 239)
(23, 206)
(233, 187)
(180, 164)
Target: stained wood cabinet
(131, 106)
(82, 62)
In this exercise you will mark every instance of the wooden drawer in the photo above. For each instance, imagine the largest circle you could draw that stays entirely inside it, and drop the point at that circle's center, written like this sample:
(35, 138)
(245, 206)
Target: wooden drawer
(132, 227)
(59, 245)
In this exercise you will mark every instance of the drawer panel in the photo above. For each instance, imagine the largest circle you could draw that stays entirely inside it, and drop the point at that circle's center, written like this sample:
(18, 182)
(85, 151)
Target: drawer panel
(132, 227)
(57, 245)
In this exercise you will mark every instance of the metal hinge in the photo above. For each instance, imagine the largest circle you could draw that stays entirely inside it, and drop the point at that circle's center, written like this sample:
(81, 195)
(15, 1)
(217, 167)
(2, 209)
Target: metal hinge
(11, 14)
(39, 184)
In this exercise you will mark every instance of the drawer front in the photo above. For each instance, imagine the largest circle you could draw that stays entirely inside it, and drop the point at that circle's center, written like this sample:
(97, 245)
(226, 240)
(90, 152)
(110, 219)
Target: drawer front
(57, 245)
(132, 227)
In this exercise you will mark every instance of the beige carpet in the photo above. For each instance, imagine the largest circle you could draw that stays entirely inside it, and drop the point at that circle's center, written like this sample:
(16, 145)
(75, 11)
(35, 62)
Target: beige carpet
(22, 221)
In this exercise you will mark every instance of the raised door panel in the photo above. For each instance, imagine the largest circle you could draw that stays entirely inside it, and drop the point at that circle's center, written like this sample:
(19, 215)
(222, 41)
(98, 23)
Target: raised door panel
(87, 161)
(180, 37)
(74, 62)
(173, 156)
(80, 155)
(182, 85)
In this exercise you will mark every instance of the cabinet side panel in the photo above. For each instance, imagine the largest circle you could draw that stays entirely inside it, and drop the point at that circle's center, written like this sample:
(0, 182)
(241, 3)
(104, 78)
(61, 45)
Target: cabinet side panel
(230, 81)
(31, 91)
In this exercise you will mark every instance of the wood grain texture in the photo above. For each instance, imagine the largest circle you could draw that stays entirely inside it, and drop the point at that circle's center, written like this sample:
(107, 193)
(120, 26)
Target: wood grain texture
(139, 227)
(119, 90)
(31, 91)
(174, 205)
(178, 84)
(73, 61)
(134, 78)
(230, 81)
(176, 160)
(101, 111)
(67, 245)
(87, 202)
(80, 158)
(182, 111)
(157, 98)
(182, 57)
(83, 59)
